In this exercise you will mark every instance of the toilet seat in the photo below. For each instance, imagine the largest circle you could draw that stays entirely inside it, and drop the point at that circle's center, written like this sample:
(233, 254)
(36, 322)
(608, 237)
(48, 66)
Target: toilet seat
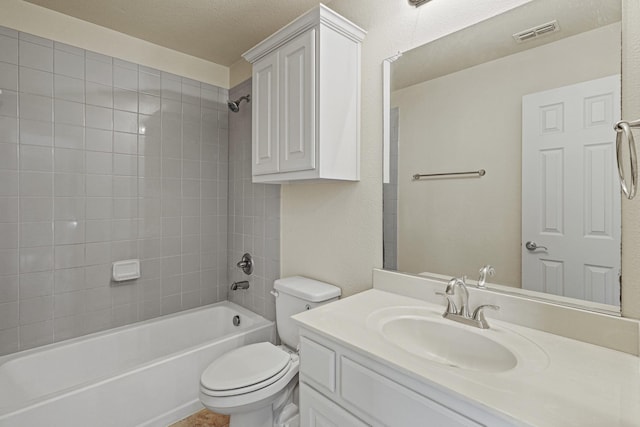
(245, 369)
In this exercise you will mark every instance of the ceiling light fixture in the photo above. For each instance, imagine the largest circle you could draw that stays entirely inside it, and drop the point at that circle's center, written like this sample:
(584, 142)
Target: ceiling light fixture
(418, 3)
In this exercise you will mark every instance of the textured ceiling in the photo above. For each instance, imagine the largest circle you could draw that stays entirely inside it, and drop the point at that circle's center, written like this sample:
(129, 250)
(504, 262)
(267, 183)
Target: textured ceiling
(215, 30)
(492, 39)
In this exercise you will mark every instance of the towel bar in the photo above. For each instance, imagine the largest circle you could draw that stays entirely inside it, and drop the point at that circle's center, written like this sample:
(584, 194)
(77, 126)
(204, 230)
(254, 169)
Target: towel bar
(480, 172)
(623, 128)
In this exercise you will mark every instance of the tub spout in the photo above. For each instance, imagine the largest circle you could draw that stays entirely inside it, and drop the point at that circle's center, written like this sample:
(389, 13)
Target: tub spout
(239, 285)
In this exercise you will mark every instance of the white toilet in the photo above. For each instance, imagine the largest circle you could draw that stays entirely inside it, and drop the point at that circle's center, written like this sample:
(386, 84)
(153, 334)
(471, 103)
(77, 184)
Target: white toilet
(256, 383)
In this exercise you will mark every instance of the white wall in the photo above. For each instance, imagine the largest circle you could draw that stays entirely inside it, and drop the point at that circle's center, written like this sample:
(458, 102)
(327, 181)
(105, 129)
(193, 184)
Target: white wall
(468, 120)
(29, 18)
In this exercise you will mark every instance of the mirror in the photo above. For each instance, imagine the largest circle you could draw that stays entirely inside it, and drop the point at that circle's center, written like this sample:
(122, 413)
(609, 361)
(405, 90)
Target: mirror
(536, 112)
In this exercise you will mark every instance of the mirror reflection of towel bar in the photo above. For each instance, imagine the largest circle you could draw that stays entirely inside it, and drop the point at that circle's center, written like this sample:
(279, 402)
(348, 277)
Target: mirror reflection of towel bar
(417, 176)
(623, 128)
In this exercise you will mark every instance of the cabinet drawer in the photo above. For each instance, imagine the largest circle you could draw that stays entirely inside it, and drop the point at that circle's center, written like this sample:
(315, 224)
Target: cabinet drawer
(318, 411)
(391, 403)
(318, 363)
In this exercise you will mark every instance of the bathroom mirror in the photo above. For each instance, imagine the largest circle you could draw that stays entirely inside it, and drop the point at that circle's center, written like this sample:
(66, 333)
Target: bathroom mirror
(529, 97)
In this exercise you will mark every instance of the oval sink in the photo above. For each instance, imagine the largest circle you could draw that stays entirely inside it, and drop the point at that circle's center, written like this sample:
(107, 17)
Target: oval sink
(448, 344)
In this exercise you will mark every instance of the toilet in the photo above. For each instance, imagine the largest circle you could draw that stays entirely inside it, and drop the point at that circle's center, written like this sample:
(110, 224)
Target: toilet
(257, 384)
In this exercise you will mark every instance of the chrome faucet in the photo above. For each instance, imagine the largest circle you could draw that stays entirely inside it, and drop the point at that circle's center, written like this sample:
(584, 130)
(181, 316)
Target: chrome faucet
(239, 285)
(484, 271)
(457, 285)
(460, 284)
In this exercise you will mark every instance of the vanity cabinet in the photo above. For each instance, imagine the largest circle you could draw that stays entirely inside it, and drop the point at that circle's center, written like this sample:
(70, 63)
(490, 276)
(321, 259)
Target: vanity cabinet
(318, 411)
(340, 387)
(306, 100)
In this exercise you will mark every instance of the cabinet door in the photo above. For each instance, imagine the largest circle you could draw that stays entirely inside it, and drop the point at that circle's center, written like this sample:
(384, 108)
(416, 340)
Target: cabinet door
(265, 115)
(297, 103)
(393, 404)
(318, 411)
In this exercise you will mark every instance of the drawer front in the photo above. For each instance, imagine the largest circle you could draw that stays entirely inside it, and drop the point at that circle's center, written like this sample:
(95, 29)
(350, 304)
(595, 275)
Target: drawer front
(391, 403)
(318, 411)
(318, 363)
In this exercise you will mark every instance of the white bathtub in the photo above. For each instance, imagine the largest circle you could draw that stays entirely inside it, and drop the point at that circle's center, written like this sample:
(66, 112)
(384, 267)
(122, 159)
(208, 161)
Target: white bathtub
(146, 374)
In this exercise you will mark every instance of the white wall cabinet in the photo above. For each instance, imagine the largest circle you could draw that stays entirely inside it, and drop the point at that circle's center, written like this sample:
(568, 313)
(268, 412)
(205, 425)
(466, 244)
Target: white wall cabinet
(265, 126)
(340, 387)
(306, 100)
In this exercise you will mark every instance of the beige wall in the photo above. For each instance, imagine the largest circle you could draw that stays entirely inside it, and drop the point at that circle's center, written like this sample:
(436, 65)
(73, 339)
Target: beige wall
(468, 120)
(29, 18)
(239, 72)
(333, 231)
(631, 111)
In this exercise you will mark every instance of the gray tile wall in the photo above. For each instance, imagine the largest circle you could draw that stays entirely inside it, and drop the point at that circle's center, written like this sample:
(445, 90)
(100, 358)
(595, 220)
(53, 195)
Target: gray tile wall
(103, 160)
(254, 216)
(390, 199)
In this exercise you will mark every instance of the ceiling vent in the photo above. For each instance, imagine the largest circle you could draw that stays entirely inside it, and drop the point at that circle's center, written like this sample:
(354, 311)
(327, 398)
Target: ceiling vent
(535, 32)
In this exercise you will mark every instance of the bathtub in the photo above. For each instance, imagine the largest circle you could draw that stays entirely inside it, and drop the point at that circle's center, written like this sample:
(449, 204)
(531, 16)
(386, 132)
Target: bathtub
(145, 374)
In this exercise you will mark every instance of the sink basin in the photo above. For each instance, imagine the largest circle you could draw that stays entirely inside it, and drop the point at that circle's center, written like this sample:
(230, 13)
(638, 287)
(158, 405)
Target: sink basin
(448, 344)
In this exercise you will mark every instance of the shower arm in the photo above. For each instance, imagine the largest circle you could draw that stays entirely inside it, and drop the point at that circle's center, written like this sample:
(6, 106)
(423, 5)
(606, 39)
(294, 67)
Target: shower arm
(234, 106)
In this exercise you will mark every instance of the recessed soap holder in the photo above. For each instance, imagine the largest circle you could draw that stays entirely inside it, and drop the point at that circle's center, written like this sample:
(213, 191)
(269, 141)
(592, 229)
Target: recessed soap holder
(126, 270)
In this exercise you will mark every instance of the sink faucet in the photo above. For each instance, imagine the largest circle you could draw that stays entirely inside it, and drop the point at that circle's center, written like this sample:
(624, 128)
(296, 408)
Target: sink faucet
(457, 285)
(484, 271)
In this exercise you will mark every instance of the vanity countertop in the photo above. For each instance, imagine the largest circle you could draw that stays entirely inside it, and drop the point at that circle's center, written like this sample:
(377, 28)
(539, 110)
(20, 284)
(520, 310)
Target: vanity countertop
(579, 384)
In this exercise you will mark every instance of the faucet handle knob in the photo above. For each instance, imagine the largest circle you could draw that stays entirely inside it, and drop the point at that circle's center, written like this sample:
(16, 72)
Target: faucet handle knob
(485, 271)
(478, 314)
(479, 311)
(246, 264)
(451, 306)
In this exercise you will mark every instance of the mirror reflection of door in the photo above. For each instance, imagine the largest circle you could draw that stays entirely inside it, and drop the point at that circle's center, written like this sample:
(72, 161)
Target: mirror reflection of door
(459, 108)
(570, 194)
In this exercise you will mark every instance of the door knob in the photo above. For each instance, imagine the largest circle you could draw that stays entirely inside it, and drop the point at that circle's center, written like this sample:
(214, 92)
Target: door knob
(532, 246)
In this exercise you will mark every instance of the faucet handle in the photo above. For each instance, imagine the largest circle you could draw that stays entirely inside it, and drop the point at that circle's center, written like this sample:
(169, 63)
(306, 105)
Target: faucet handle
(246, 264)
(454, 281)
(485, 271)
(451, 306)
(478, 314)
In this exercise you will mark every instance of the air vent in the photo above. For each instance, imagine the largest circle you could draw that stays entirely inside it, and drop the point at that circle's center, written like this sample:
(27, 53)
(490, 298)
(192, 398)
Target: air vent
(540, 30)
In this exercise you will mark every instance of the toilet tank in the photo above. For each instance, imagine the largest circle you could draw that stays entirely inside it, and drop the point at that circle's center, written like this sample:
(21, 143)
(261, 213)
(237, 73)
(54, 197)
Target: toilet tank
(295, 295)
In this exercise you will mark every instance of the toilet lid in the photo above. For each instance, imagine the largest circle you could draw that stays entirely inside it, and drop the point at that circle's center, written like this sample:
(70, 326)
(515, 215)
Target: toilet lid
(245, 366)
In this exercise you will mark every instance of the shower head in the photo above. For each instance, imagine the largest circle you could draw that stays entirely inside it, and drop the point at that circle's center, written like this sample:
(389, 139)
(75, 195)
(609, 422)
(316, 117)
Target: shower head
(235, 105)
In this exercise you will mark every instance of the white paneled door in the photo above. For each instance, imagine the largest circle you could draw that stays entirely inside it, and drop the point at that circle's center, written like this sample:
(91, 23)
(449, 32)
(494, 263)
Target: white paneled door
(570, 191)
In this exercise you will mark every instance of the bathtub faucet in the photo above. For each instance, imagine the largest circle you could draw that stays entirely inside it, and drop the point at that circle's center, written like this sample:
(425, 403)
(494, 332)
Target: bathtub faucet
(239, 285)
